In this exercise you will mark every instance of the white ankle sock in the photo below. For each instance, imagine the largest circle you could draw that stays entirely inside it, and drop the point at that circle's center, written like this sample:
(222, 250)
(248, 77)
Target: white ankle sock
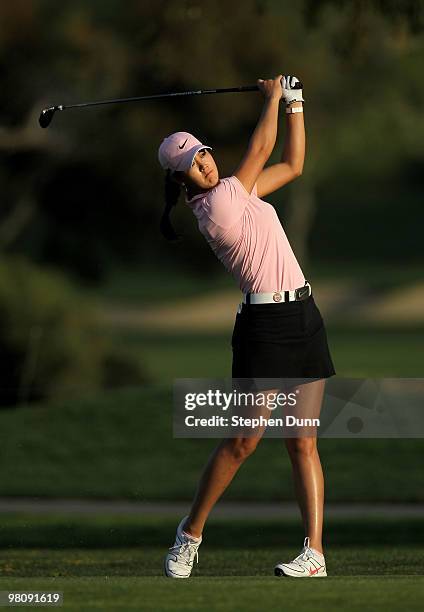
(318, 554)
(190, 537)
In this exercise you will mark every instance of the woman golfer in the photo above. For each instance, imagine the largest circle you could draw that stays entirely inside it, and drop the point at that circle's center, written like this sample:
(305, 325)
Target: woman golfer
(279, 331)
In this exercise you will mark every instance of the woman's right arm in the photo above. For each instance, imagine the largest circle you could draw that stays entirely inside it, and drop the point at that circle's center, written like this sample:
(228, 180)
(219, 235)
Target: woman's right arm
(263, 139)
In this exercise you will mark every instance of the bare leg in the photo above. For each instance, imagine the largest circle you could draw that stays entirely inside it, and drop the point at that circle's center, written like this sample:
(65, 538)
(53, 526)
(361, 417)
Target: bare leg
(221, 468)
(307, 471)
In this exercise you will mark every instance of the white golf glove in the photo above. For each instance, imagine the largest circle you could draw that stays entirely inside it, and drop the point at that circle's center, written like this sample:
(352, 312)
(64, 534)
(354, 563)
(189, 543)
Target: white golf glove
(289, 94)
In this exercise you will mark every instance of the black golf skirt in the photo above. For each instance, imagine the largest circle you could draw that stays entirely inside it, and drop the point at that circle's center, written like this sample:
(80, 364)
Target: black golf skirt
(282, 340)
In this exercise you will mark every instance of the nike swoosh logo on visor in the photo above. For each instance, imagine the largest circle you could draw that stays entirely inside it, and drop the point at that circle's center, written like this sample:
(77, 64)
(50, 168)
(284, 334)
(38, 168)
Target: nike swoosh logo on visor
(183, 145)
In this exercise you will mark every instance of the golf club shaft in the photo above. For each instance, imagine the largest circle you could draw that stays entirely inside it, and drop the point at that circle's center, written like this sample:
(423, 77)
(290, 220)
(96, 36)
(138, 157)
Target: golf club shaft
(166, 95)
(46, 114)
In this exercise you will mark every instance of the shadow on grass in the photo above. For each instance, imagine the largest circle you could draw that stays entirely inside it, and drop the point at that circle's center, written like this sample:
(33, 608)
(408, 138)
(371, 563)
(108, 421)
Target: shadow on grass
(59, 533)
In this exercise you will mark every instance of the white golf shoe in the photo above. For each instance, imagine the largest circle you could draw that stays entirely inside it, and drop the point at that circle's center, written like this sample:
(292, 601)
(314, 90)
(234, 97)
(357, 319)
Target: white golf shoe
(309, 564)
(180, 558)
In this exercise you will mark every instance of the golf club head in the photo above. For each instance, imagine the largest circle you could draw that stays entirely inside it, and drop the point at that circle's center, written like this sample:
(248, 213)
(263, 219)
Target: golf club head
(46, 116)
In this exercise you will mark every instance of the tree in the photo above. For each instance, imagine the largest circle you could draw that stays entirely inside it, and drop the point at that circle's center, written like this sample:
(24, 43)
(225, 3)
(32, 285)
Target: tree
(371, 46)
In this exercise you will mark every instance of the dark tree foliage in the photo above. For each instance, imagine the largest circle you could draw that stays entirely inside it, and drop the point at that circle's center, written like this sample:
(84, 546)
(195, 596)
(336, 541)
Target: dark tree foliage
(411, 12)
(348, 40)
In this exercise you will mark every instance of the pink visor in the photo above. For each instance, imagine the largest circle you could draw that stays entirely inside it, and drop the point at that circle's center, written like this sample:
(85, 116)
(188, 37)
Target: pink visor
(178, 150)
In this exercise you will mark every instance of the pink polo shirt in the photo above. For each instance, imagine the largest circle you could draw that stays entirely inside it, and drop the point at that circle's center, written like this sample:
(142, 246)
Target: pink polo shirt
(245, 233)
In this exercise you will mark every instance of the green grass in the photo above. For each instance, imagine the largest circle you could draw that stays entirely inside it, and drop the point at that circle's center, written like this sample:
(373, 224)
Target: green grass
(68, 531)
(375, 274)
(144, 285)
(250, 594)
(168, 356)
(383, 353)
(361, 352)
(116, 563)
(120, 444)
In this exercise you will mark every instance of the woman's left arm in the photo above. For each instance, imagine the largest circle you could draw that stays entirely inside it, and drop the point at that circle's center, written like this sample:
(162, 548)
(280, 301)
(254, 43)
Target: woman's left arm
(292, 159)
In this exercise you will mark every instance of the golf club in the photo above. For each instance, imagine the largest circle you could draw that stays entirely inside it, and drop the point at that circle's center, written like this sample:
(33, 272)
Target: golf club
(47, 114)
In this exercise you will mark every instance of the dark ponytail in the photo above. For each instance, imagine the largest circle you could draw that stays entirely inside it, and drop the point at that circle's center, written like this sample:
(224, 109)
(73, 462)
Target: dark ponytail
(172, 193)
